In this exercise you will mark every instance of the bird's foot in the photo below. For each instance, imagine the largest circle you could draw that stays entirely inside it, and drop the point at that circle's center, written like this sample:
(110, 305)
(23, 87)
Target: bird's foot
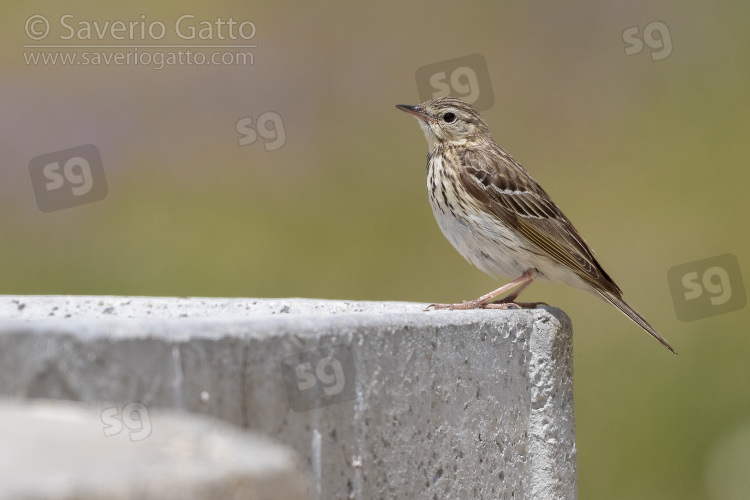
(463, 306)
(486, 301)
(506, 304)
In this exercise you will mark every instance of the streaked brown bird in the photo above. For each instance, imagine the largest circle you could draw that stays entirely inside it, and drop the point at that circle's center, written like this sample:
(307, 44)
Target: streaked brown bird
(498, 217)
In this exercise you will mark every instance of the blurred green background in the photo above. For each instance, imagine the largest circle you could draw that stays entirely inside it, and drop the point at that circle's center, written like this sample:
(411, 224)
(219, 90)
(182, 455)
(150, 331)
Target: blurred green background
(649, 158)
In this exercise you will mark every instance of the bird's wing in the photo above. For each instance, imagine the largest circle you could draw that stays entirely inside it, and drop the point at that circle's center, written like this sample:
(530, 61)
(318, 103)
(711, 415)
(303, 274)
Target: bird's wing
(505, 189)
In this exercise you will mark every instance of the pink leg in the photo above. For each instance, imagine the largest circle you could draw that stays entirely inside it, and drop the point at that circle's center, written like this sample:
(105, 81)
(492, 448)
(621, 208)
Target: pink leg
(510, 300)
(485, 301)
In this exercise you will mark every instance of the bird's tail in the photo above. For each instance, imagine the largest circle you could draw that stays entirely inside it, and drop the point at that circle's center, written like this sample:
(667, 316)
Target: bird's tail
(633, 314)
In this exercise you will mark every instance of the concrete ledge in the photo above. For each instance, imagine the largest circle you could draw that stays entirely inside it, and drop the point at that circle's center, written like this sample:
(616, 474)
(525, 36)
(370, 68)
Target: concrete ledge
(382, 399)
(57, 450)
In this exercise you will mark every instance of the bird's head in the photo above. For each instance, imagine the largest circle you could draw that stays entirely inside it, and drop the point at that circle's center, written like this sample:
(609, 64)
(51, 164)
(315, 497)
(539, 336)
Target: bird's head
(447, 120)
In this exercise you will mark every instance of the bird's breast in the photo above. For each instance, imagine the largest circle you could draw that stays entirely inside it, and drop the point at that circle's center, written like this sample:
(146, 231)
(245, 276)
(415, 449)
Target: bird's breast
(477, 235)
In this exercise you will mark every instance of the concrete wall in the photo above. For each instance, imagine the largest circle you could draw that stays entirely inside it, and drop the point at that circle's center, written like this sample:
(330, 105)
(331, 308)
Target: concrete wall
(382, 400)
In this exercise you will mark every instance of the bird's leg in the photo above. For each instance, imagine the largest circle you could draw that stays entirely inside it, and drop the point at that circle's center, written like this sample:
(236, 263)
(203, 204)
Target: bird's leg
(486, 301)
(510, 300)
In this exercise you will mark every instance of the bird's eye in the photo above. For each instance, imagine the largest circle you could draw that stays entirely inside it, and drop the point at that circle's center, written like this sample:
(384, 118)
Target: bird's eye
(449, 117)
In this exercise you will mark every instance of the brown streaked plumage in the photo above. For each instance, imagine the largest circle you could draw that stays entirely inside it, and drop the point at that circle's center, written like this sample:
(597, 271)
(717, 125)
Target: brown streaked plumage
(498, 217)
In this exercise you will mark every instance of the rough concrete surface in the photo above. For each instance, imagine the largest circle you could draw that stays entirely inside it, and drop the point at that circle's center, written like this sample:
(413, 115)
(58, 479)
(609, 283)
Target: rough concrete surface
(383, 400)
(58, 450)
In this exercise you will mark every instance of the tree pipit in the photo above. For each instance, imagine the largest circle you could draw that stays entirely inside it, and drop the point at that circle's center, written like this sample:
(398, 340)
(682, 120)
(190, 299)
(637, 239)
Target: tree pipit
(498, 217)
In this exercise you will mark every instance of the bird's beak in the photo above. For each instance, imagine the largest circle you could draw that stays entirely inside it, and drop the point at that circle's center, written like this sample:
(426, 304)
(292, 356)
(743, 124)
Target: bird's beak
(416, 111)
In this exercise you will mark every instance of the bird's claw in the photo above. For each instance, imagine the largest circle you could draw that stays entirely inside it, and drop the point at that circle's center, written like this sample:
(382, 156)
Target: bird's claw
(499, 304)
(436, 307)
(476, 304)
(463, 306)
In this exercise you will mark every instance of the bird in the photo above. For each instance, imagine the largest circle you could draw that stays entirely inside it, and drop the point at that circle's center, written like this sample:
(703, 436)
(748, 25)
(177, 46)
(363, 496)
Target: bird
(499, 217)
